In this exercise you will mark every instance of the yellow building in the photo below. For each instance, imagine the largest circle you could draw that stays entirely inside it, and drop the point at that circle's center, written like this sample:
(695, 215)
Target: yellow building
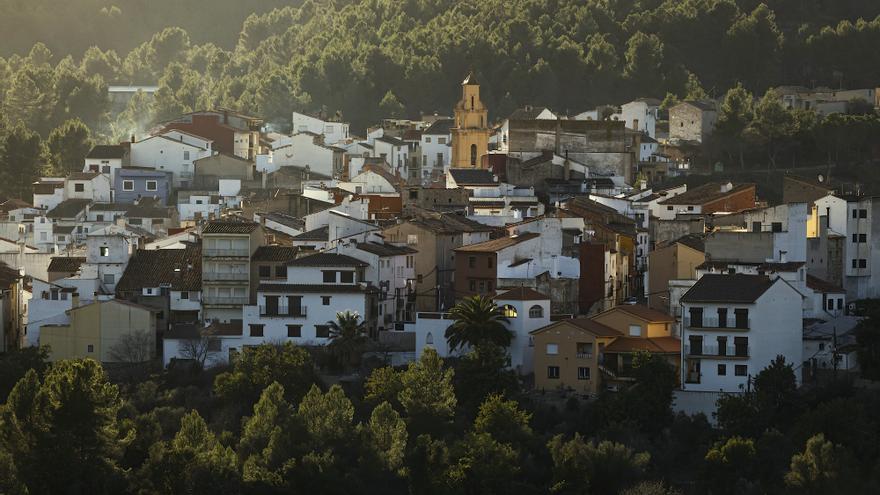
(470, 133)
(107, 331)
(568, 354)
(676, 261)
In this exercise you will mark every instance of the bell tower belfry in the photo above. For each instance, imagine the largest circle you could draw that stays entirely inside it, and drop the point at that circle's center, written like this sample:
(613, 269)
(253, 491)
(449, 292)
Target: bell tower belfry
(470, 132)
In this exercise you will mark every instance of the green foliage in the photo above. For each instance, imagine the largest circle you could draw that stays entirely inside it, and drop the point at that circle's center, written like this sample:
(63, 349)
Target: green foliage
(482, 372)
(477, 320)
(387, 433)
(730, 464)
(15, 364)
(20, 162)
(504, 421)
(426, 394)
(347, 338)
(68, 146)
(62, 432)
(258, 367)
(581, 467)
(868, 340)
(822, 468)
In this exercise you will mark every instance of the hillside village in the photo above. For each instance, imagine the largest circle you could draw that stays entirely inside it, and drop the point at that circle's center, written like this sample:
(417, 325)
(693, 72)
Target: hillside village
(210, 234)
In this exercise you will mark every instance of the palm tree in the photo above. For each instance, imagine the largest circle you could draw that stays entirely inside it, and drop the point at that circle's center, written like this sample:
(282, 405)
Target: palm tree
(478, 320)
(346, 336)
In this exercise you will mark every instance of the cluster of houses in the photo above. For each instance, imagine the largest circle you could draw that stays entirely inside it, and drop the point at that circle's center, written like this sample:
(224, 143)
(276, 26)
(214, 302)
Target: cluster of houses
(209, 235)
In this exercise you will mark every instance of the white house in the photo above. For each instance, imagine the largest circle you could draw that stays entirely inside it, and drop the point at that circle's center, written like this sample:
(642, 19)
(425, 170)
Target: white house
(395, 152)
(436, 146)
(198, 205)
(317, 287)
(48, 304)
(641, 115)
(734, 326)
(160, 152)
(107, 159)
(48, 192)
(333, 131)
(109, 249)
(526, 310)
(88, 185)
(307, 149)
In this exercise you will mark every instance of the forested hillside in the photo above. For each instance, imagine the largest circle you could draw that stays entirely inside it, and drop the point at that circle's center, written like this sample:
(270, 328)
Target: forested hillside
(377, 57)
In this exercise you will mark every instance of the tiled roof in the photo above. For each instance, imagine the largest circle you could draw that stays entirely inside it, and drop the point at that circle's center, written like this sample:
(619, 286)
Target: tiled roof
(106, 151)
(109, 207)
(319, 234)
(693, 241)
(327, 259)
(311, 288)
(385, 249)
(644, 313)
(63, 229)
(587, 324)
(284, 219)
(823, 286)
(229, 227)
(8, 275)
(704, 194)
(737, 288)
(440, 127)
(495, 245)
(83, 175)
(526, 113)
(275, 253)
(69, 208)
(449, 223)
(657, 345)
(391, 140)
(473, 176)
(148, 210)
(65, 263)
(522, 294)
(182, 268)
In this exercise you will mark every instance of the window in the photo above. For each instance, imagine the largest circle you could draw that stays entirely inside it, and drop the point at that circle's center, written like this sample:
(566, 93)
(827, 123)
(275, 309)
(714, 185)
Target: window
(322, 331)
(90, 348)
(722, 370)
(109, 278)
(690, 208)
(507, 310)
(265, 271)
(831, 304)
(43, 236)
(583, 373)
(214, 345)
(741, 346)
(135, 221)
(256, 330)
(553, 372)
(472, 261)
(635, 330)
(427, 139)
(346, 277)
(441, 140)
(412, 239)
(62, 238)
(105, 169)
(186, 155)
(79, 187)
(552, 349)
(413, 194)
(585, 350)
(128, 185)
(669, 208)
(429, 339)
(329, 276)
(839, 303)
(859, 238)
(696, 317)
(696, 345)
(280, 271)
(776, 227)
(740, 370)
(325, 300)
(741, 316)
(99, 218)
(536, 311)
(473, 155)
(105, 251)
(294, 330)
(722, 345)
(472, 285)
(863, 213)
(722, 317)
(152, 185)
(184, 295)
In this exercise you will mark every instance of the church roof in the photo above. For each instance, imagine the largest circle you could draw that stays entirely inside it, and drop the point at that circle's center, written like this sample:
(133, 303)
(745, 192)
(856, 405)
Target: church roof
(470, 79)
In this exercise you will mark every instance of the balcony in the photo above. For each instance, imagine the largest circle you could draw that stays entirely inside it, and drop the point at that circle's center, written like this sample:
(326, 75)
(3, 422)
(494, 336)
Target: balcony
(712, 322)
(284, 311)
(225, 300)
(225, 276)
(226, 253)
(710, 350)
(584, 355)
(186, 175)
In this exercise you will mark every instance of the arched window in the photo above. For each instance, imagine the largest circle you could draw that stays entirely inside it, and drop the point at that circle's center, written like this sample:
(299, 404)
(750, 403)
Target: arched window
(508, 311)
(472, 102)
(429, 339)
(473, 155)
(536, 311)
(481, 122)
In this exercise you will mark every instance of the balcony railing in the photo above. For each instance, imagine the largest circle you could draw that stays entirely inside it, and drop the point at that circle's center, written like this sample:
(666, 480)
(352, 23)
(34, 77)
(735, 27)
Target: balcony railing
(186, 175)
(241, 252)
(584, 355)
(208, 275)
(284, 311)
(226, 300)
(714, 350)
(713, 322)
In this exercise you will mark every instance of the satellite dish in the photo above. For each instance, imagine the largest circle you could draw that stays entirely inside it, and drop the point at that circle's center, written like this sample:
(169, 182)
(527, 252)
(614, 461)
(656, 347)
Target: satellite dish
(820, 178)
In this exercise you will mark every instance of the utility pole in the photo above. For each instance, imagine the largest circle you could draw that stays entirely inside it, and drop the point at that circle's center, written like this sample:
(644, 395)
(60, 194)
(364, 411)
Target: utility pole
(834, 350)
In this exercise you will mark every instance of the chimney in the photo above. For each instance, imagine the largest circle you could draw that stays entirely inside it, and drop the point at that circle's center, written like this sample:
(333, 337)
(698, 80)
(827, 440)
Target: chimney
(555, 266)
(782, 256)
(132, 139)
(567, 164)
(74, 300)
(636, 125)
